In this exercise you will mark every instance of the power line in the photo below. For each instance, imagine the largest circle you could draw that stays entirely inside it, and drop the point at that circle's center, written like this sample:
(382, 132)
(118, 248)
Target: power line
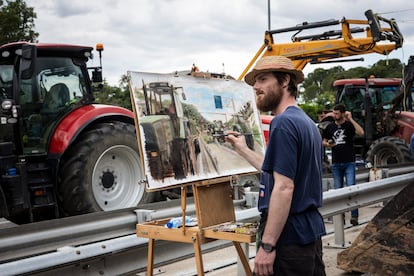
(398, 11)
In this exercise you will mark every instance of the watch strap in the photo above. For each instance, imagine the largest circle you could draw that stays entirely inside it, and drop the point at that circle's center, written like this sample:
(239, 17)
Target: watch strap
(267, 247)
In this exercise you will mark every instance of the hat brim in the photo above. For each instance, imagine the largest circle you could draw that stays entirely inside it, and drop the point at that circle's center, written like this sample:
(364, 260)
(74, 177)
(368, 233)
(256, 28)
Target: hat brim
(250, 78)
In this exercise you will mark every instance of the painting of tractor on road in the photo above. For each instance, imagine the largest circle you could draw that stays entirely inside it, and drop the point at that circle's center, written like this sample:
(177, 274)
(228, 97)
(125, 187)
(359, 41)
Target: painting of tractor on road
(183, 121)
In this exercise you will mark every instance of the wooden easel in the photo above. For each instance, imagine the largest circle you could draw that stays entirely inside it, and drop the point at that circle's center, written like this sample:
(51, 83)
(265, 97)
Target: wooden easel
(214, 207)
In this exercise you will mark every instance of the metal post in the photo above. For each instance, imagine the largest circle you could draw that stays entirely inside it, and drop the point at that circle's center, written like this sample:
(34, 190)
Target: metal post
(338, 221)
(339, 232)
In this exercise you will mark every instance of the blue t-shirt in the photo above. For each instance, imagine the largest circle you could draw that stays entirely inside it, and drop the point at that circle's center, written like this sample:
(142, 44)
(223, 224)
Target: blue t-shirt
(295, 151)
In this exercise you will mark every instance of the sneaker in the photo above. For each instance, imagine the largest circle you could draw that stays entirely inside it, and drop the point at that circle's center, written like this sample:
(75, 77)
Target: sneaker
(354, 221)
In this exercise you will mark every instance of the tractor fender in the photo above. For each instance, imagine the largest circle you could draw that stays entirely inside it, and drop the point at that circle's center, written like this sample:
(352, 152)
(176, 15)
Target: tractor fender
(405, 126)
(79, 119)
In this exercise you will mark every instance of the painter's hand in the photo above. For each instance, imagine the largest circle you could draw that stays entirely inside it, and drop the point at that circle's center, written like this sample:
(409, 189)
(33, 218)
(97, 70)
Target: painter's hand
(236, 140)
(263, 263)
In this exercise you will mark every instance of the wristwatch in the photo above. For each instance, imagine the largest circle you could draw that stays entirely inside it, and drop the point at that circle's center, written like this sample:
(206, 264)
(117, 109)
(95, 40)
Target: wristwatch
(267, 247)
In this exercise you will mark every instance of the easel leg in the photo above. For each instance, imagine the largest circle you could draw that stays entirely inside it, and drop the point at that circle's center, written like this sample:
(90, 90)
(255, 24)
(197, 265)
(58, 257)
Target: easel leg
(243, 258)
(197, 253)
(150, 264)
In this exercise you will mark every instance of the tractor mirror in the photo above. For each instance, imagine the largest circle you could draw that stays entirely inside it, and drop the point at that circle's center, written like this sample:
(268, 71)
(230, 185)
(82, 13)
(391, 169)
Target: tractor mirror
(27, 63)
(97, 75)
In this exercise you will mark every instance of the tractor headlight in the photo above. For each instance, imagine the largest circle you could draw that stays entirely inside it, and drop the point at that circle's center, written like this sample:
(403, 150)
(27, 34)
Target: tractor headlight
(6, 104)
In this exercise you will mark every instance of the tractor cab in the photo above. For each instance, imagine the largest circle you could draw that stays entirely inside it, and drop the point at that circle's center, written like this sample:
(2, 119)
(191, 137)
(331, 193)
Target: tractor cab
(39, 85)
(165, 99)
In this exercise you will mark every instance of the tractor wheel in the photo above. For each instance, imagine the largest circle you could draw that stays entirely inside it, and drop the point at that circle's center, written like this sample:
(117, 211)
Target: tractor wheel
(388, 150)
(102, 171)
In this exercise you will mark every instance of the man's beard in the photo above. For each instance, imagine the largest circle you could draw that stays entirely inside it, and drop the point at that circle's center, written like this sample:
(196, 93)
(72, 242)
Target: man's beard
(338, 119)
(268, 102)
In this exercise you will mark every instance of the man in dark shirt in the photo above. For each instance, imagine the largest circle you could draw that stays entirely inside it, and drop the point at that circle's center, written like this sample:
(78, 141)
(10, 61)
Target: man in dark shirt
(339, 136)
(290, 194)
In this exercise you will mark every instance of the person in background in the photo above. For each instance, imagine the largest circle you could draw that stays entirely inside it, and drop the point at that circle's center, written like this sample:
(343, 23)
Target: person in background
(339, 136)
(291, 227)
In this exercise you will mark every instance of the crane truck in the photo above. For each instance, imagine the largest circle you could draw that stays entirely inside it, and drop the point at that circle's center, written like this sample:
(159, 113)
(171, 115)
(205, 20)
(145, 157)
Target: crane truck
(388, 131)
(332, 45)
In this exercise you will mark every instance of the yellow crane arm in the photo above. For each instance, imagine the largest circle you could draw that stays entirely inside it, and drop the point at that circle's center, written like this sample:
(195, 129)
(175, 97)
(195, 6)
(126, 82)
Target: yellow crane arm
(317, 48)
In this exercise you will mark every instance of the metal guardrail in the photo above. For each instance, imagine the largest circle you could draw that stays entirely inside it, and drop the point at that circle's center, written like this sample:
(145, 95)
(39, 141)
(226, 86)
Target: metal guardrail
(107, 241)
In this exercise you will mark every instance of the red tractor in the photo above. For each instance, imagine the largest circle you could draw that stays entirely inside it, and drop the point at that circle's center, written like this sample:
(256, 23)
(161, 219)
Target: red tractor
(384, 108)
(61, 154)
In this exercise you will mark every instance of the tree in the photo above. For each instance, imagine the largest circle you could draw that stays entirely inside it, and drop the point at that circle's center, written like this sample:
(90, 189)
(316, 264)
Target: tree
(387, 69)
(320, 81)
(311, 110)
(17, 22)
(113, 95)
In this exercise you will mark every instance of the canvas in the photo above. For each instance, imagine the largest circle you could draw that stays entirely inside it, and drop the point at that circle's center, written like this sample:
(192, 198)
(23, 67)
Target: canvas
(182, 122)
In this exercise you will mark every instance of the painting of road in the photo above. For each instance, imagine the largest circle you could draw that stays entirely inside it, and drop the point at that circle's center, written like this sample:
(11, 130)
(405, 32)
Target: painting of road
(182, 123)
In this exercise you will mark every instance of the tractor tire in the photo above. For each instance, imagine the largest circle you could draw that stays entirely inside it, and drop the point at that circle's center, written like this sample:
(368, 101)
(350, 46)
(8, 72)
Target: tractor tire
(102, 171)
(388, 150)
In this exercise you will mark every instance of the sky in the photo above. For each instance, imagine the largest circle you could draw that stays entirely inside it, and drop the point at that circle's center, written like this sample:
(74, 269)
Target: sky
(164, 36)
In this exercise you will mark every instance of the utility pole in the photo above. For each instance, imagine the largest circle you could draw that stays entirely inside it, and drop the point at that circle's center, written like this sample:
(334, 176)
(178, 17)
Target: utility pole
(268, 15)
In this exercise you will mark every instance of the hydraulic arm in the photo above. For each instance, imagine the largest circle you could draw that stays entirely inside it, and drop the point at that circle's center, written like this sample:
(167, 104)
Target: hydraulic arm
(318, 48)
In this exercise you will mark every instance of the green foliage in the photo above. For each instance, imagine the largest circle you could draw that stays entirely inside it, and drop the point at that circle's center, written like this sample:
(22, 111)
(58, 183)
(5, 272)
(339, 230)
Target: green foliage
(113, 95)
(17, 22)
(194, 117)
(325, 101)
(311, 110)
(387, 69)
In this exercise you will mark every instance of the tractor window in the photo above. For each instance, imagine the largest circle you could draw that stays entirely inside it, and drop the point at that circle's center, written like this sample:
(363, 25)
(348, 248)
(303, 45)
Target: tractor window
(51, 71)
(353, 98)
(386, 95)
(6, 80)
(179, 96)
(160, 99)
(61, 70)
(160, 103)
(56, 89)
(373, 96)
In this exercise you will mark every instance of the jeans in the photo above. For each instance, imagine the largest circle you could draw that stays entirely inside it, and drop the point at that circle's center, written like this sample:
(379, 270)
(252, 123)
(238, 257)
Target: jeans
(347, 171)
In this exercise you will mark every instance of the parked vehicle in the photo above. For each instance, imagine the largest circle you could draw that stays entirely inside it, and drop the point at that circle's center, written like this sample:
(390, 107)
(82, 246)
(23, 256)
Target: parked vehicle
(61, 154)
(384, 108)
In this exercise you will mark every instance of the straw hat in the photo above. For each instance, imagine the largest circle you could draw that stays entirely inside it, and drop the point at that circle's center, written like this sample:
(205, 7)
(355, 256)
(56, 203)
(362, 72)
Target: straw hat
(273, 64)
